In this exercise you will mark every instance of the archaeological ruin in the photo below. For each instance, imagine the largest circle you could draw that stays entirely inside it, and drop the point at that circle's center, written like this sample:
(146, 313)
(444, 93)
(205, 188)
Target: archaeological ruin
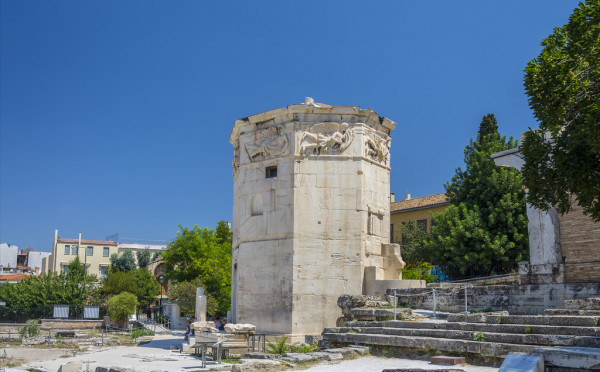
(310, 215)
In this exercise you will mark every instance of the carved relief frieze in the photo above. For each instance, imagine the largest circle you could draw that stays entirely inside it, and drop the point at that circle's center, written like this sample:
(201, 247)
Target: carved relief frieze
(268, 143)
(236, 157)
(325, 138)
(377, 147)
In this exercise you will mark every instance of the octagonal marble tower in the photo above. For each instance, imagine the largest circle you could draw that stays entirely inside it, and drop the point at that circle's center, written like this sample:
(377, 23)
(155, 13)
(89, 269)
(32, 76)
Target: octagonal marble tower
(310, 213)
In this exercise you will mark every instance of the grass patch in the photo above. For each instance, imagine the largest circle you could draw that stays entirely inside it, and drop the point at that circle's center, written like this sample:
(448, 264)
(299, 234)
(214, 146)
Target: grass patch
(479, 337)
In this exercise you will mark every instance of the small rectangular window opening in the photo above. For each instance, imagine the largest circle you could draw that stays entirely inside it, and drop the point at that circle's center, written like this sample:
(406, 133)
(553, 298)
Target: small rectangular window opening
(271, 172)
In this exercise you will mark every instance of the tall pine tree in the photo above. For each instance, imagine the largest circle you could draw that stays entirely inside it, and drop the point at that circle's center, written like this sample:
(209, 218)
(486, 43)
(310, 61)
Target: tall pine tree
(484, 231)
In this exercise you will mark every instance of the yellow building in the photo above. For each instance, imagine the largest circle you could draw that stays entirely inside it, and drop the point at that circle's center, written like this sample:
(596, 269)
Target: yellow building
(415, 209)
(94, 253)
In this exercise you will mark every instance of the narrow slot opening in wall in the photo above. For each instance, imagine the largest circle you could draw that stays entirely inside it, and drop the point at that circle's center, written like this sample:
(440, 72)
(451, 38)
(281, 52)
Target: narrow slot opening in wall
(271, 172)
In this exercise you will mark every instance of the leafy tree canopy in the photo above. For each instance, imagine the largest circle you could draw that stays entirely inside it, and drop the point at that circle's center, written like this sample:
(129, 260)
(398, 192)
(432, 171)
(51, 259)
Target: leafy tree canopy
(184, 293)
(124, 262)
(143, 257)
(562, 159)
(121, 306)
(51, 289)
(484, 230)
(198, 253)
(139, 281)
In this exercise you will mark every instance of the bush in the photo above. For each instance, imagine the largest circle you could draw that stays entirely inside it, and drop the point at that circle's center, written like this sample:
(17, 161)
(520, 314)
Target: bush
(277, 347)
(280, 347)
(31, 328)
(121, 306)
(479, 336)
(419, 271)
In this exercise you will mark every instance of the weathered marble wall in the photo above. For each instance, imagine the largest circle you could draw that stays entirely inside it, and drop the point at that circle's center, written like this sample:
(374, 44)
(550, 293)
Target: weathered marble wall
(304, 236)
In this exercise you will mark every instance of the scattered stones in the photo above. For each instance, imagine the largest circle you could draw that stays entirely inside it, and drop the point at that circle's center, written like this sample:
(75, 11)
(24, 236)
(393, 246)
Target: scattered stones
(36, 340)
(259, 355)
(349, 302)
(312, 339)
(252, 365)
(448, 360)
(205, 327)
(310, 357)
(344, 351)
(361, 350)
(300, 358)
(239, 328)
(113, 369)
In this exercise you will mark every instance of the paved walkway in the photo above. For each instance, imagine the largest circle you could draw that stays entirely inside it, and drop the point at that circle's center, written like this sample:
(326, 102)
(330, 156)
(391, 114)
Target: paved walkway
(154, 356)
(157, 356)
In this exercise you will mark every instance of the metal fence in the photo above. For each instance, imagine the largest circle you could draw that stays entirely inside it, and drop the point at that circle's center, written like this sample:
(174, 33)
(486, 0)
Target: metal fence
(58, 311)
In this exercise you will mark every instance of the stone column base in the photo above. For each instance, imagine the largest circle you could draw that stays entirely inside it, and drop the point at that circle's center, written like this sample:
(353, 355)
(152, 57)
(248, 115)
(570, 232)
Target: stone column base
(541, 274)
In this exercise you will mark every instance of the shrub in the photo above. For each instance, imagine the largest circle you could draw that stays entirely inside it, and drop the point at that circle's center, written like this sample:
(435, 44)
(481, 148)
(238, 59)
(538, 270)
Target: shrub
(121, 306)
(280, 347)
(528, 330)
(419, 271)
(31, 328)
(277, 347)
(479, 336)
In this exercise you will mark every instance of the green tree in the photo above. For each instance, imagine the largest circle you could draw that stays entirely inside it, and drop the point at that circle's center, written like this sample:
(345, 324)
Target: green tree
(139, 282)
(198, 253)
(147, 287)
(143, 257)
(562, 159)
(41, 292)
(413, 243)
(184, 294)
(484, 230)
(124, 262)
(121, 306)
(223, 233)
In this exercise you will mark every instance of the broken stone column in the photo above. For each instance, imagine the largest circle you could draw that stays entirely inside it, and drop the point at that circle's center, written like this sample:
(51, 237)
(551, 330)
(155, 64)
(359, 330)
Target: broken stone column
(200, 305)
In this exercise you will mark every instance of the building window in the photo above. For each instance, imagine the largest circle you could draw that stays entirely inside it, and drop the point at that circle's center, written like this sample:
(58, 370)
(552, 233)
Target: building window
(422, 224)
(67, 250)
(89, 251)
(271, 172)
(103, 272)
(74, 250)
(64, 268)
(105, 251)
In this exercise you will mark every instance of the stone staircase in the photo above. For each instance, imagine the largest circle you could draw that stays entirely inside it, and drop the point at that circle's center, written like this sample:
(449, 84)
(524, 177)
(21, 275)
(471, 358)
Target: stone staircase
(497, 334)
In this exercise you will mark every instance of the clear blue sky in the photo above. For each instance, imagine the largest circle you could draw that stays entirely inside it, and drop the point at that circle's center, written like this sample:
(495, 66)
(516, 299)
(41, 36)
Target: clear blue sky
(115, 115)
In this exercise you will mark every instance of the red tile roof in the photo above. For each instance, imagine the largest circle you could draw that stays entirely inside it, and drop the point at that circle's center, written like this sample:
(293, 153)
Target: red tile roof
(83, 241)
(429, 201)
(13, 277)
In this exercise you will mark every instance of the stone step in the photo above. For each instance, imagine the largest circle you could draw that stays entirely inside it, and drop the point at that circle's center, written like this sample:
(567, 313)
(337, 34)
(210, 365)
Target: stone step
(506, 338)
(441, 344)
(554, 320)
(485, 327)
(574, 358)
(572, 312)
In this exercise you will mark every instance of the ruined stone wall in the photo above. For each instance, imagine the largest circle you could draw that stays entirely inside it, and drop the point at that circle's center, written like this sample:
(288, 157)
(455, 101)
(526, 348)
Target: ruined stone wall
(580, 245)
(516, 299)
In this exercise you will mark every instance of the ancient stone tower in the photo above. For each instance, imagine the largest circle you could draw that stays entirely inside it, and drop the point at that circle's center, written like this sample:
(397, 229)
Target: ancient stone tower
(310, 213)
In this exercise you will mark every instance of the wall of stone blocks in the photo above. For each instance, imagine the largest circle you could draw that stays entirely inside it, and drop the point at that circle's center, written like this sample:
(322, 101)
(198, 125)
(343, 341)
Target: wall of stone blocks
(580, 246)
(516, 299)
